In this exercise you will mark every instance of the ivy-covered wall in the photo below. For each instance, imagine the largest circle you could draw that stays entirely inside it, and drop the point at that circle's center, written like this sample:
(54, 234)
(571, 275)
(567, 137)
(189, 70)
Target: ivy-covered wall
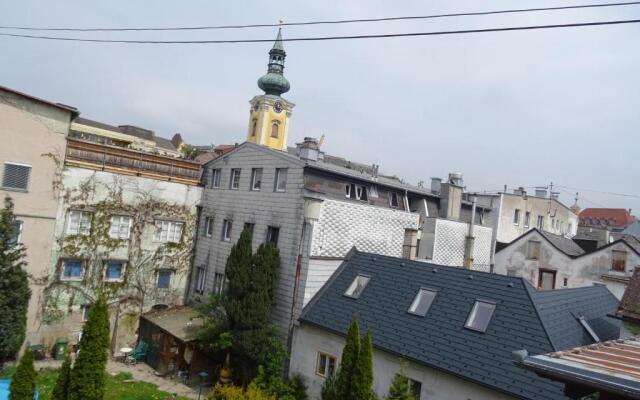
(144, 201)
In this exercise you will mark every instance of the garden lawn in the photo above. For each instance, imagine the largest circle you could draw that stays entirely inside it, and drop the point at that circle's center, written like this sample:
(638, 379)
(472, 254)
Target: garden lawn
(119, 387)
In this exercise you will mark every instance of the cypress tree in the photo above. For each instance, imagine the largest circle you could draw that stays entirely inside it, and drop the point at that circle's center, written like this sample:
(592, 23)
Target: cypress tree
(14, 286)
(399, 389)
(23, 383)
(364, 369)
(238, 273)
(88, 374)
(61, 389)
(347, 386)
(329, 389)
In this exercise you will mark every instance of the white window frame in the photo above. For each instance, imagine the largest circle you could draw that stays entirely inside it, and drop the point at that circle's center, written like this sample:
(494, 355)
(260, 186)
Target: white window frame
(84, 225)
(219, 283)
(359, 280)
(361, 191)
(540, 222)
(201, 275)
(279, 179)
(215, 178)
(122, 270)
(393, 195)
(227, 226)
(119, 234)
(208, 226)
(233, 185)
(167, 231)
(20, 225)
(527, 219)
(256, 179)
(348, 191)
(72, 279)
(326, 365)
(171, 274)
(516, 216)
(4, 171)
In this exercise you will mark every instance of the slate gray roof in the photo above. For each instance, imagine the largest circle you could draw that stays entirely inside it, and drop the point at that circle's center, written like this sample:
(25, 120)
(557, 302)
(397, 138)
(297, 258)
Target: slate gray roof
(633, 229)
(566, 245)
(164, 143)
(439, 340)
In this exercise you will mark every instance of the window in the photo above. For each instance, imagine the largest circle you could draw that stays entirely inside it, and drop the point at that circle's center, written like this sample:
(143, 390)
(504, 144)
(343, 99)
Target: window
(226, 230)
(570, 228)
(219, 283)
(249, 226)
(71, 270)
(168, 231)
(588, 328)
(164, 279)
(256, 178)
(16, 176)
(422, 302)
(208, 226)
(393, 200)
(516, 216)
(254, 126)
(527, 219)
(533, 250)
(114, 270)
(348, 191)
(361, 192)
(234, 182)
(326, 365)
(85, 312)
(200, 279)
(357, 286)
(79, 223)
(275, 128)
(415, 387)
(618, 260)
(565, 282)
(120, 227)
(215, 178)
(272, 235)
(480, 316)
(541, 222)
(16, 233)
(546, 279)
(281, 179)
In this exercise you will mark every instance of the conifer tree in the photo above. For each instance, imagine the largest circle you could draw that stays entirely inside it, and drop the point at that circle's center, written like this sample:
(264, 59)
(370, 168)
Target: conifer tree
(88, 374)
(399, 389)
(364, 369)
(14, 286)
(329, 389)
(347, 386)
(23, 383)
(61, 389)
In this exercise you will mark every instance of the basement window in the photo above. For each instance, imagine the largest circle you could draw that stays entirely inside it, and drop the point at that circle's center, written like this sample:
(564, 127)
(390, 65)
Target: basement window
(357, 286)
(422, 302)
(480, 316)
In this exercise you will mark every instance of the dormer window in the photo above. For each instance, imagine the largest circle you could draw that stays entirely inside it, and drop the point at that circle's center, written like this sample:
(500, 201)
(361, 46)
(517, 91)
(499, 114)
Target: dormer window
(422, 302)
(275, 129)
(480, 316)
(357, 286)
(393, 200)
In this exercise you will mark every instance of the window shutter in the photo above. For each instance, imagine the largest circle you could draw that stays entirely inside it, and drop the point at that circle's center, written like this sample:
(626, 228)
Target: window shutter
(16, 176)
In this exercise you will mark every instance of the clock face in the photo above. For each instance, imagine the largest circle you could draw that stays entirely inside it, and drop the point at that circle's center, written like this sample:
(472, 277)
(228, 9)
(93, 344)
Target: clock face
(277, 107)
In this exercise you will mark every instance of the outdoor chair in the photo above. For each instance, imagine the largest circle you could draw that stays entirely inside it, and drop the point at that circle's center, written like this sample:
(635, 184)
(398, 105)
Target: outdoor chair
(138, 354)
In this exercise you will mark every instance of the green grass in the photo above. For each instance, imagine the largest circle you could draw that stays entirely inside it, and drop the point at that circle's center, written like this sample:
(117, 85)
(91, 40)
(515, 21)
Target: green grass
(117, 387)
(633, 328)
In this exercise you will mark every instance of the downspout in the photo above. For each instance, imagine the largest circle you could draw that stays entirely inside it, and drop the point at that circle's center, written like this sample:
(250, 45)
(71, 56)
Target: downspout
(406, 200)
(496, 227)
(470, 239)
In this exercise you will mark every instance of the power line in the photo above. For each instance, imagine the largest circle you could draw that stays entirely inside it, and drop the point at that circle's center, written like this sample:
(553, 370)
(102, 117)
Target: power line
(326, 22)
(634, 196)
(323, 38)
(582, 198)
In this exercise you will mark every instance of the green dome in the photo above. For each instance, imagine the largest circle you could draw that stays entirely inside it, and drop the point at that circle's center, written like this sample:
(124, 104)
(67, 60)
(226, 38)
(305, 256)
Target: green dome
(274, 83)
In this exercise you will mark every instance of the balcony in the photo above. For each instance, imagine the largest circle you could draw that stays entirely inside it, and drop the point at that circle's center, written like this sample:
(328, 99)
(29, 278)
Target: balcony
(118, 160)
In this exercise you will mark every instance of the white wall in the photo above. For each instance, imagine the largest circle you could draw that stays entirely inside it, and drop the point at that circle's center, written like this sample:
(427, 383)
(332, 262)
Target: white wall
(436, 385)
(320, 270)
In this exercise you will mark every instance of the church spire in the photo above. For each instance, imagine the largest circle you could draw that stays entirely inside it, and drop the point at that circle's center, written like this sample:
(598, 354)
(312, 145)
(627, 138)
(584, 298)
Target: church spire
(274, 83)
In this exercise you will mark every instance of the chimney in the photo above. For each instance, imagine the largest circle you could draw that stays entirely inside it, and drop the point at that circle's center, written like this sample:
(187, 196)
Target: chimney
(555, 195)
(176, 140)
(520, 191)
(450, 199)
(541, 192)
(436, 184)
(456, 179)
(308, 149)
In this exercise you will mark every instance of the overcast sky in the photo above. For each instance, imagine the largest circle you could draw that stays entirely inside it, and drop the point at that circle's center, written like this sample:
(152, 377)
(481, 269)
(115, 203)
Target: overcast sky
(519, 108)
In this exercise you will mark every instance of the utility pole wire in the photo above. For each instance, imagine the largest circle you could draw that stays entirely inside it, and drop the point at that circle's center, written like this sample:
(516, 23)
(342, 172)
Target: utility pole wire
(331, 22)
(323, 38)
(634, 196)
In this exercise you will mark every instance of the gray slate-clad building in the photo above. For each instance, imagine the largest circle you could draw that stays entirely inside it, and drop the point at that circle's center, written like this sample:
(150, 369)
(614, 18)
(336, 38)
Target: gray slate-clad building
(456, 329)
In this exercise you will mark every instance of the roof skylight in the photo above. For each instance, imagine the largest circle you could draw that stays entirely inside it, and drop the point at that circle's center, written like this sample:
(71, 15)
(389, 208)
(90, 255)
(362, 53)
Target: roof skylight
(480, 316)
(357, 286)
(422, 302)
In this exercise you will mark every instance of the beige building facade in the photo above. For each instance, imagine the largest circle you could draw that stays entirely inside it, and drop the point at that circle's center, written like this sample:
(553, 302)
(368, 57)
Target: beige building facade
(33, 132)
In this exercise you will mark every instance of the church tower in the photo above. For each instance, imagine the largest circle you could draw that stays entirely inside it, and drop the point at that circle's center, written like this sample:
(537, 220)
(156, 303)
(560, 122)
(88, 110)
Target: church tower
(270, 113)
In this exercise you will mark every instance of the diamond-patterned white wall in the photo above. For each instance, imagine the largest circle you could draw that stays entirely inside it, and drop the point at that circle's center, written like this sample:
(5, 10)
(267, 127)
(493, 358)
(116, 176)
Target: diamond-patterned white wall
(342, 225)
(448, 248)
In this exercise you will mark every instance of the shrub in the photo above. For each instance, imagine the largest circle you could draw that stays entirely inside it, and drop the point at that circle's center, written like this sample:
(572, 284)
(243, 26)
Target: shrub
(23, 383)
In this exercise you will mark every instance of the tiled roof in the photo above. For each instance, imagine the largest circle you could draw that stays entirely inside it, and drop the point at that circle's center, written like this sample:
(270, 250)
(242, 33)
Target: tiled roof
(613, 367)
(620, 216)
(560, 309)
(630, 303)
(566, 245)
(439, 340)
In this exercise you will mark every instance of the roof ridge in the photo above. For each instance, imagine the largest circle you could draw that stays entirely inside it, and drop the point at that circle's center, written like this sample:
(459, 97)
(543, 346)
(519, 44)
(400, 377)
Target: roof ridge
(539, 315)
